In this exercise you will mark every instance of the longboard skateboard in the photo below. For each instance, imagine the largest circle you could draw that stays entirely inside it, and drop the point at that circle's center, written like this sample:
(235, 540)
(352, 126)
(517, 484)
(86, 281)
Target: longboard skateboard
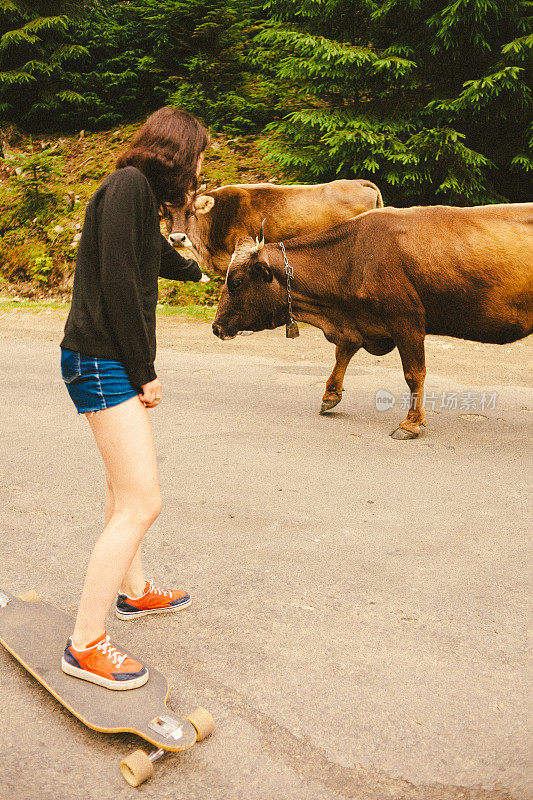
(35, 633)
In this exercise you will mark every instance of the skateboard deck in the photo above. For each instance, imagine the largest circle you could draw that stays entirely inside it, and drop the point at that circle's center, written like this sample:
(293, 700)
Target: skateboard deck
(35, 633)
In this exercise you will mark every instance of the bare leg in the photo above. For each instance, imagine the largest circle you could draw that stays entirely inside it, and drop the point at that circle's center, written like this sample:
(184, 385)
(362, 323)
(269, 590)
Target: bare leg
(133, 582)
(124, 438)
(109, 498)
(333, 394)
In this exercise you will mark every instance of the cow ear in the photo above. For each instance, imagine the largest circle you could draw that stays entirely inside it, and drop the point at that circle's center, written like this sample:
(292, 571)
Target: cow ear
(204, 204)
(263, 271)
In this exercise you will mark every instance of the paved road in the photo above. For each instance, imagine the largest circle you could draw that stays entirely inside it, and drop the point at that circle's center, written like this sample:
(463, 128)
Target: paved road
(358, 626)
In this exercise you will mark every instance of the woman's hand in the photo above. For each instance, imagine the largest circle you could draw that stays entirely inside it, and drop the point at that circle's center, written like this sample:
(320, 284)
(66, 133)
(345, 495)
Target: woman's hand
(151, 393)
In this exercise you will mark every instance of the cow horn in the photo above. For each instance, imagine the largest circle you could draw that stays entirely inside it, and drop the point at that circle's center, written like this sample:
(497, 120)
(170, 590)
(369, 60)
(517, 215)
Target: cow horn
(260, 240)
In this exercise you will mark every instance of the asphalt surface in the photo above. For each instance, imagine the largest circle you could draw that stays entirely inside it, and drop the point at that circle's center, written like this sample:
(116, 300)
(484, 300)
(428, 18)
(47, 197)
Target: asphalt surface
(360, 605)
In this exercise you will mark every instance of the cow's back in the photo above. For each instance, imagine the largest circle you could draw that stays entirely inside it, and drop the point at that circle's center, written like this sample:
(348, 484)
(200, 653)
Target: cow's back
(288, 210)
(471, 267)
(296, 210)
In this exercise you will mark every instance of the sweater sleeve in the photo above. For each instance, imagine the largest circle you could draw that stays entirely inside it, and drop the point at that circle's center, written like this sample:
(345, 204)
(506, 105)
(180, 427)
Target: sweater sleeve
(175, 267)
(121, 225)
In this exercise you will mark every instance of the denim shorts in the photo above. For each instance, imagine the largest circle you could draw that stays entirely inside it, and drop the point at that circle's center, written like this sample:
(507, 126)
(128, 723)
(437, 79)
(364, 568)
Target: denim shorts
(95, 383)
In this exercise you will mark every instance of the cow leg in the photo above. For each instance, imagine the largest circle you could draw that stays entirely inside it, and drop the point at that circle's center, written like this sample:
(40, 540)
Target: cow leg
(411, 348)
(334, 389)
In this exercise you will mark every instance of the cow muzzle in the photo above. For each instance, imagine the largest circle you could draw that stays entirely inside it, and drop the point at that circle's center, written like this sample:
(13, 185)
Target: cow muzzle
(179, 240)
(218, 331)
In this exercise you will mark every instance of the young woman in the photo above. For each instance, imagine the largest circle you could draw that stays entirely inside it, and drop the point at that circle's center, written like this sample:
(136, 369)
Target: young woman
(107, 363)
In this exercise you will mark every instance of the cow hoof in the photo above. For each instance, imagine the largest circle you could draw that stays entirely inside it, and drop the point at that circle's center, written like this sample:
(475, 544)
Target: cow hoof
(328, 404)
(401, 433)
(330, 400)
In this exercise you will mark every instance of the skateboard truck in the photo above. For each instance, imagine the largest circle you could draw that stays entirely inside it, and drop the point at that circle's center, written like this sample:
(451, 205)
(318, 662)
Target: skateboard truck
(138, 766)
(167, 726)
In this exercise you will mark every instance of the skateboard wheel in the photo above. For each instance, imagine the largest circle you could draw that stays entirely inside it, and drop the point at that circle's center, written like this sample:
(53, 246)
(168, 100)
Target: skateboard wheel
(136, 768)
(29, 597)
(202, 722)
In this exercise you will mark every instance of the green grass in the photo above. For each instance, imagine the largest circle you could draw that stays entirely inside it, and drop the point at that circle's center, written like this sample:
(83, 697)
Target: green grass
(206, 313)
(203, 313)
(9, 304)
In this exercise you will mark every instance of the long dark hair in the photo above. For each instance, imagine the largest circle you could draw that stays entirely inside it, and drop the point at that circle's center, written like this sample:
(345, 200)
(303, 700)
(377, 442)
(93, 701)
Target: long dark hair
(166, 149)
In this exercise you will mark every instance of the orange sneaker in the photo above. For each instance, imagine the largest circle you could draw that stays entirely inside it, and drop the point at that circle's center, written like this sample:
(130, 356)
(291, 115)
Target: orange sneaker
(153, 601)
(103, 664)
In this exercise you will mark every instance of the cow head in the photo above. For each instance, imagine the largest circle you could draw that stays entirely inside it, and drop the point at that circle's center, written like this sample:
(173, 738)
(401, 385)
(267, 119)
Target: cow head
(213, 222)
(252, 298)
(185, 226)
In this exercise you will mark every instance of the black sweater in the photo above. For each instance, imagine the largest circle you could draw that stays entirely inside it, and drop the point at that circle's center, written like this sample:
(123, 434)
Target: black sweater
(120, 256)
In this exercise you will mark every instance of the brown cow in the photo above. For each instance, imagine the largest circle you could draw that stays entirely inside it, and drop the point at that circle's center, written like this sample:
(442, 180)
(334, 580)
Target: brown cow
(386, 279)
(218, 218)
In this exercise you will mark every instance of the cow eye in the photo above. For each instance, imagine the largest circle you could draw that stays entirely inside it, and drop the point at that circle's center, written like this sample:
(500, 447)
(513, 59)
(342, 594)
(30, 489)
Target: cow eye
(236, 283)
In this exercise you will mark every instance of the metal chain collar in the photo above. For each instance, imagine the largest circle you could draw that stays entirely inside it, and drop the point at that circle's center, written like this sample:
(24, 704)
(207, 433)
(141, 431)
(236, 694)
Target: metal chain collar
(291, 329)
(290, 274)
